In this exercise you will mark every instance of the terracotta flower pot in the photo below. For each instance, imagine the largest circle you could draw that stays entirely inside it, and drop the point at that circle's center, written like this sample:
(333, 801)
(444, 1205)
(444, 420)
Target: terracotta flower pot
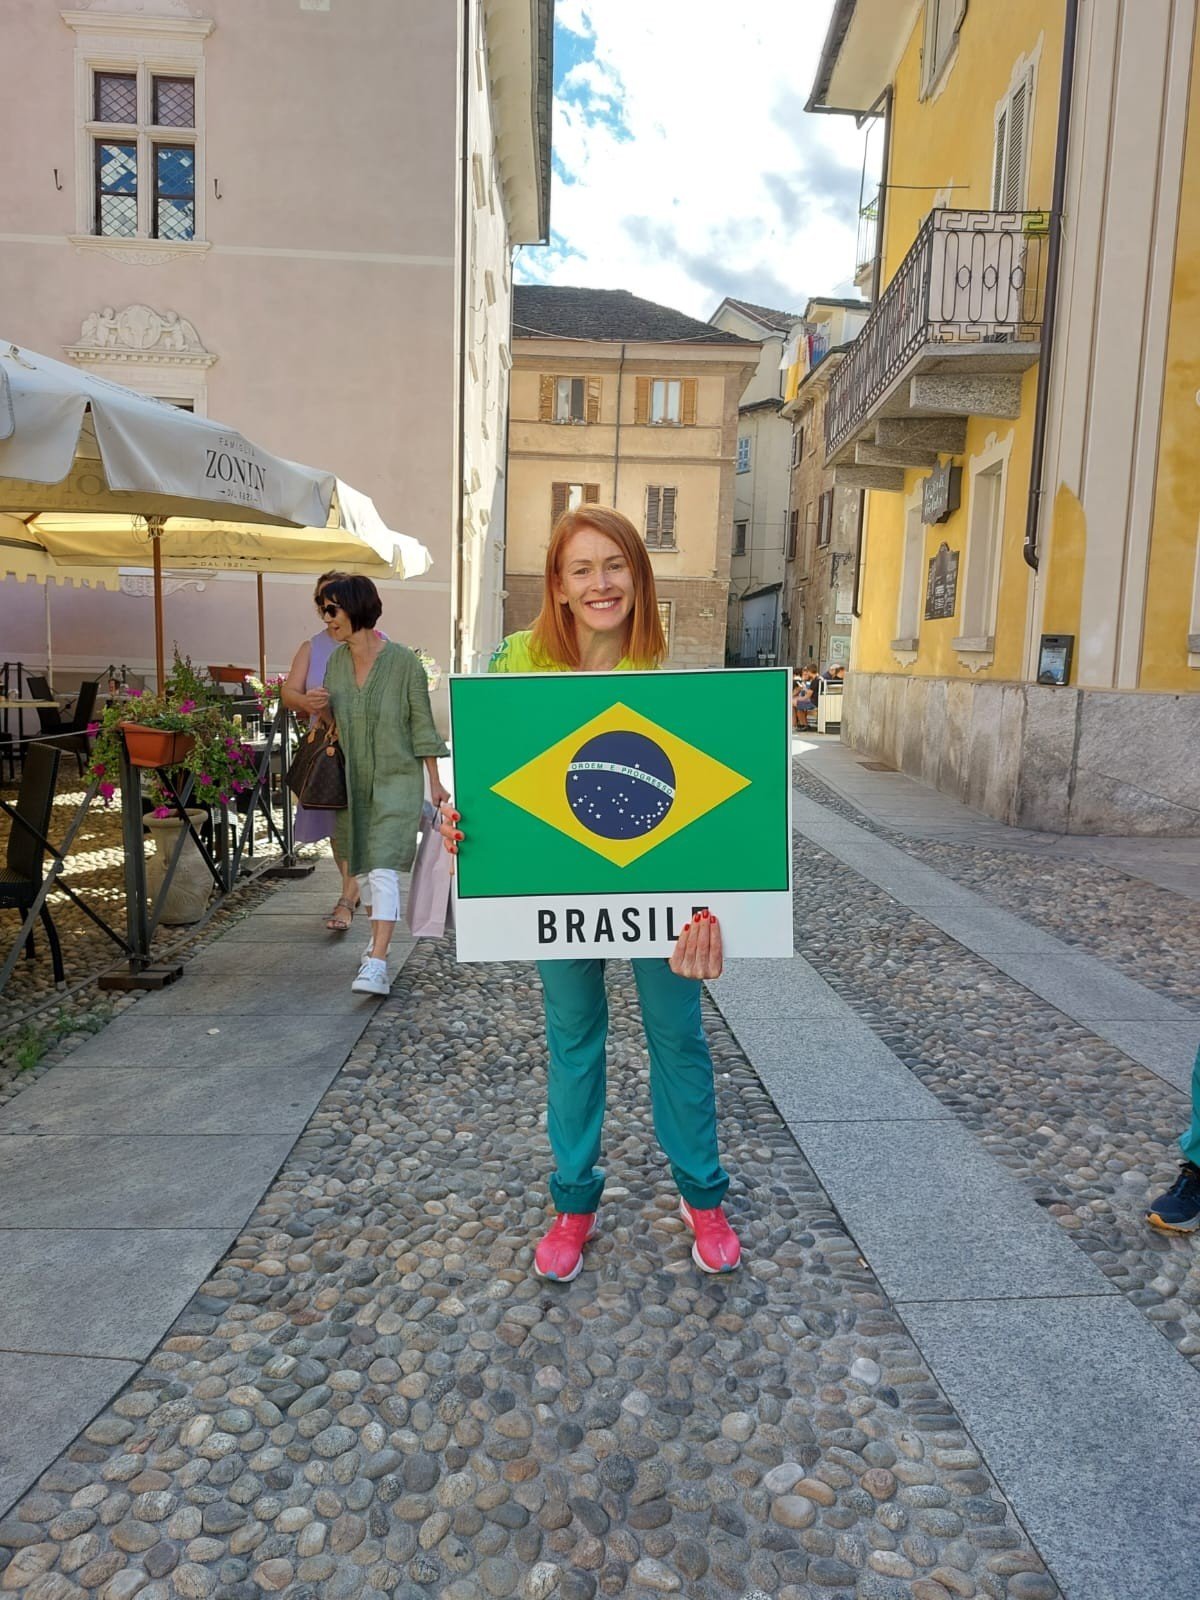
(155, 747)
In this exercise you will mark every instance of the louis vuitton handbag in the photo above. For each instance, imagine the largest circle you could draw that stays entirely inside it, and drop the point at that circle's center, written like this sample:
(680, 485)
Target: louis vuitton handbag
(317, 775)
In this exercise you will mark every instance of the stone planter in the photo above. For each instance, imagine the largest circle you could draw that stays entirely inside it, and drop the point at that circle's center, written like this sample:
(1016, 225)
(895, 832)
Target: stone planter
(155, 747)
(191, 887)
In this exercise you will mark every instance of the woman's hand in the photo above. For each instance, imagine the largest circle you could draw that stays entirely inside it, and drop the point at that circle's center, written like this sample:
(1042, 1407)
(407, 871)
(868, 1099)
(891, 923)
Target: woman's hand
(315, 702)
(438, 794)
(448, 820)
(698, 953)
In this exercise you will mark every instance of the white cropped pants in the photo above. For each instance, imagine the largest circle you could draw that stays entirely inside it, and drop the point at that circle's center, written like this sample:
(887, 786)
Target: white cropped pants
(379, 890)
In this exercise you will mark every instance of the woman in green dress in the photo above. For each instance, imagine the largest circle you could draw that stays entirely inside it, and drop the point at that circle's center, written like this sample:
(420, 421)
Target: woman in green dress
(379, 699)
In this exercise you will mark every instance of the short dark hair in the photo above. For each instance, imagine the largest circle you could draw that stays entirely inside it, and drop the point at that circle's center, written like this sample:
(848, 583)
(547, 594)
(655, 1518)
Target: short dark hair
(323, 583)
(358, 598)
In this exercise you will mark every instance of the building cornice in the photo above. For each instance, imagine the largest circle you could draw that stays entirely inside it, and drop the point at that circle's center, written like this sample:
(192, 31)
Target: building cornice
(124, 23)
(520, 60)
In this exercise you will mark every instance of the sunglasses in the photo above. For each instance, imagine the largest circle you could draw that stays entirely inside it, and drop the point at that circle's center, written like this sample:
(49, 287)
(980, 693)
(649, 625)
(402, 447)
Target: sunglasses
(329, 609)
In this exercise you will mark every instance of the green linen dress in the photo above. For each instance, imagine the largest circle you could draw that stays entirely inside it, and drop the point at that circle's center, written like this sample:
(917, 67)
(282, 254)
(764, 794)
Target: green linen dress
(386, 730)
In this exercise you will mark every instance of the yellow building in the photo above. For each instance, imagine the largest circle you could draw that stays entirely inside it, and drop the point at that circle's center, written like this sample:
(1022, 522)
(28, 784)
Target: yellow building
(622, 402)
(1022, 405)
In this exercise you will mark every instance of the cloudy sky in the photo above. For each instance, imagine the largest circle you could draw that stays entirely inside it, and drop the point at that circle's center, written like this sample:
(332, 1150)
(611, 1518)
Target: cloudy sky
(685, 168)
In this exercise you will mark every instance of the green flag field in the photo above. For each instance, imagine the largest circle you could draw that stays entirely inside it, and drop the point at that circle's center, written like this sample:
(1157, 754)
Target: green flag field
(601, 810)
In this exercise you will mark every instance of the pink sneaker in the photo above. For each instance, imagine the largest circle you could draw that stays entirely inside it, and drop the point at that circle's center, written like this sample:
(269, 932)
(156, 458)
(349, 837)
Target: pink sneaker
(560, 1254)
(716, 1247)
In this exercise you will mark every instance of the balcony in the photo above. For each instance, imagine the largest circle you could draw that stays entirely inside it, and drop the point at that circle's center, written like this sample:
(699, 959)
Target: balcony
(951, 336)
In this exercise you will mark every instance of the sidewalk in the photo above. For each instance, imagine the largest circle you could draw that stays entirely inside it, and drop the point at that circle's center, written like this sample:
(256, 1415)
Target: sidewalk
(956, 1352)
(126, 1172)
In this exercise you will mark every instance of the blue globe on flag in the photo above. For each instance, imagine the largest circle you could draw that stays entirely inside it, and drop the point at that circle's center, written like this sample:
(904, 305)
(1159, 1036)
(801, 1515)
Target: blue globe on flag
(620, 785)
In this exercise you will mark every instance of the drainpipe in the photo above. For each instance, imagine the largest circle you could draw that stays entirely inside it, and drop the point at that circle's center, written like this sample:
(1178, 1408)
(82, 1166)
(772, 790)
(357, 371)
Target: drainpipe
(617, 433)
(456, 621)
(856, 592)
(1053, 257)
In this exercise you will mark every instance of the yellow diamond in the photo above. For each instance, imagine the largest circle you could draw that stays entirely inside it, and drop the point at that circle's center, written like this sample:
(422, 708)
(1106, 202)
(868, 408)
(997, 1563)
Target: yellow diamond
(687, 786)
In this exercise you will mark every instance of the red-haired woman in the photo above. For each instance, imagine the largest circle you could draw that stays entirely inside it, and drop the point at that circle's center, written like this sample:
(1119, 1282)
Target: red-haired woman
(600, 614)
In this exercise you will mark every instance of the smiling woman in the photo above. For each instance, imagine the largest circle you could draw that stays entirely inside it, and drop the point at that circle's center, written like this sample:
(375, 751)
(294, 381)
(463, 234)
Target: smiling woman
(600, 614)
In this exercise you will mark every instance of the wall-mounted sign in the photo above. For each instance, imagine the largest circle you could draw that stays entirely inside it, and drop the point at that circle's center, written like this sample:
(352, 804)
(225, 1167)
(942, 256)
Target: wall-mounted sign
(1054, 658)
(941, 493)
(941, 587)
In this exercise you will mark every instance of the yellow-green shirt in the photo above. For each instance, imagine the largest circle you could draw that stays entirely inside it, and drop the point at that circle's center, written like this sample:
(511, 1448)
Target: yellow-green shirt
(517, 654)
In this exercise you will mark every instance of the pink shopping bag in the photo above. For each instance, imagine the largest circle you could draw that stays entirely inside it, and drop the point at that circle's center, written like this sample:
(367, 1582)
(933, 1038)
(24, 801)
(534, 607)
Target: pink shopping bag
(429, 905)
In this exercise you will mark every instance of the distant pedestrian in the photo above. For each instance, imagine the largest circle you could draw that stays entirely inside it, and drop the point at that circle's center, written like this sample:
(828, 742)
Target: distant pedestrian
(600, 614)
(1178, 1210)
(303, 691)
(804, 696)
(379, 700)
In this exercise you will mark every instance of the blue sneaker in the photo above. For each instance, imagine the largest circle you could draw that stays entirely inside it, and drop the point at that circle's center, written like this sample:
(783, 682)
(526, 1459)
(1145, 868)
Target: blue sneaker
(1178, 1211)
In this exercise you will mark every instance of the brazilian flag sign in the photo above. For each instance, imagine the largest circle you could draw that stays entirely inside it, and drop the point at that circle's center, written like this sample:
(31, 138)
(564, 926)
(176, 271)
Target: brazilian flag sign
(601, 810)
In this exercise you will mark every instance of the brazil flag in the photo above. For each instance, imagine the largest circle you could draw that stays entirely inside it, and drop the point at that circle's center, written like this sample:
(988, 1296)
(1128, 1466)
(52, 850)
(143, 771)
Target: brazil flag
(619, 784)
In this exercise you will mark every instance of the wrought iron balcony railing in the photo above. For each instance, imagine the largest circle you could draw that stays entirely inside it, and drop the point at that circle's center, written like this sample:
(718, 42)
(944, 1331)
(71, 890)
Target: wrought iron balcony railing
(971, 277)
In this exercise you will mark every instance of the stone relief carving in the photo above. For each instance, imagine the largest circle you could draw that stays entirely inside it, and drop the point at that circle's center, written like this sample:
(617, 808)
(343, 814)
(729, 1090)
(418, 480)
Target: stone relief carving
(140, 333)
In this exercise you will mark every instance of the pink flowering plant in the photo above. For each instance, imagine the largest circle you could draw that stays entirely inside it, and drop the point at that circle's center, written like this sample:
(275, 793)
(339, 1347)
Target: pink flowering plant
(221, 765)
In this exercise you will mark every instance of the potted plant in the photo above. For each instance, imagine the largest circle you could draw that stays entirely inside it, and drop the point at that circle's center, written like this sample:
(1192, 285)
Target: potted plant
(193, 737)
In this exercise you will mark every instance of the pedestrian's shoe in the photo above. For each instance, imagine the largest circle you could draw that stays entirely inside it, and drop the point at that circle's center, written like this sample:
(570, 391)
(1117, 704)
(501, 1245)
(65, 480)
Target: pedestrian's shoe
(560, 1254)
(372, 977)
(716, 1247)
(1178, 1211)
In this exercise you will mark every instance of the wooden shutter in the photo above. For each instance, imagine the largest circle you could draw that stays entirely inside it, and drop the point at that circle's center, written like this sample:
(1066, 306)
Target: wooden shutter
(687, 414)
(546, 385)
(591, 494)
(653, 507)
(668, 518)
(558, 500)
(793, 525)
(592, 411)
(998, 160)
(1012, 198)
(641, 412)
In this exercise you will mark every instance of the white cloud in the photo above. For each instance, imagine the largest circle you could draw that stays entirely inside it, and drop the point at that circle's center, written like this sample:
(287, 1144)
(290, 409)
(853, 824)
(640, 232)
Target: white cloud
(686, 167)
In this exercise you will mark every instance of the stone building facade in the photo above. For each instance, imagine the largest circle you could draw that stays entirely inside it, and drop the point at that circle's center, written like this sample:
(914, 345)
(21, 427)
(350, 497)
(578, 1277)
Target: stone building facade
(215, 218)
(621, 402)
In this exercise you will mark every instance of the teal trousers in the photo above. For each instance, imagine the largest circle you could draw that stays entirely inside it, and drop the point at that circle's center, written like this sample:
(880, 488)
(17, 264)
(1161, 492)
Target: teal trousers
(682, 1096)
(1190, 1143)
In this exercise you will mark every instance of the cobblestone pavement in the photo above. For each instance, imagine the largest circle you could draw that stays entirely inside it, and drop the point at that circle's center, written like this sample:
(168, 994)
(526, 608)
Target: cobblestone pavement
(1093, 1134)
(1145, 931)
(373, 1396)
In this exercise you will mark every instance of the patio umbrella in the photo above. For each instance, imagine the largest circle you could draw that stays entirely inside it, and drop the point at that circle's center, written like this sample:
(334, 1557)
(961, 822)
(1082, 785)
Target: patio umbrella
(93, 475)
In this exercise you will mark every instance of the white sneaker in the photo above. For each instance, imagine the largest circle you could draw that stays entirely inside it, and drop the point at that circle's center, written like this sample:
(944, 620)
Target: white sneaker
(372, 977)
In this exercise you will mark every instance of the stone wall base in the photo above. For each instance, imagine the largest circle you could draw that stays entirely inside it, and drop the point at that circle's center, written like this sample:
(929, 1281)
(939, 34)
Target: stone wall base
(698, 615)
(1061, 760)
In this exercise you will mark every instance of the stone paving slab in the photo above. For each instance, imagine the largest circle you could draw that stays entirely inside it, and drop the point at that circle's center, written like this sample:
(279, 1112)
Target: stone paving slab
(146, 1101)
(987, 930)
(831, 1071)
(203, 1041)
(130, 1182)
(765, 988)
(1097, 1441)
(1167, 1048)
(253, 994)
(45, 1402)
(938, 1218)
(99, 1292)
(1082, 987)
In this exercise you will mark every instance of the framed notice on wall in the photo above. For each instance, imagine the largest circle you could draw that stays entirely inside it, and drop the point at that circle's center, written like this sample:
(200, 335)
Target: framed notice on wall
(941, 586)
(603, 810)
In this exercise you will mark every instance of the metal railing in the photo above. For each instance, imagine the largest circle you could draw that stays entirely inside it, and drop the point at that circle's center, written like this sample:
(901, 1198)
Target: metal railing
(971, 277)
(752, 646)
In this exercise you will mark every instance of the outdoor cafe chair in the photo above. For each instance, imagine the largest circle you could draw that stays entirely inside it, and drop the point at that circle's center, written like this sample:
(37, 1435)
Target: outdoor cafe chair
(21, 875)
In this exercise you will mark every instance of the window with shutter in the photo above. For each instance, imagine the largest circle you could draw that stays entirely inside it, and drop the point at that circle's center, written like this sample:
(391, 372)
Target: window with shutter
(739, 538)
(570, 399)
(1010, 161)
(546, 387)
(593, 400)
(743, 455)
(825, 518)
(570, 496)
(793, 534)
(665, 400)
(943, 20)
(691, 392)
(641, 409)
(664, 617)
(660, 517)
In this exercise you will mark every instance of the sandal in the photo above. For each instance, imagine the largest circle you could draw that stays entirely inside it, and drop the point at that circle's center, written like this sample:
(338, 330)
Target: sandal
(342, 915)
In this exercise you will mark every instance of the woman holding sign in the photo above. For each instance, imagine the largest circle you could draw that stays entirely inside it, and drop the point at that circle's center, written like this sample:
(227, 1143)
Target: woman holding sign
(600, 614)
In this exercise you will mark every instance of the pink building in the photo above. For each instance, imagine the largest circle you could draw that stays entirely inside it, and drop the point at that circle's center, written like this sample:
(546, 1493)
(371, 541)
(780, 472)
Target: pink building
(296, 216)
